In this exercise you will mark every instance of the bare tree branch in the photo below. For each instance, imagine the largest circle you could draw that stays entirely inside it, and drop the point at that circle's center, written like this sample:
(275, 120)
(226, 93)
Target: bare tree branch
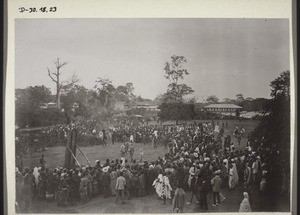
(66, 85)
(51, 76)
(58, 64)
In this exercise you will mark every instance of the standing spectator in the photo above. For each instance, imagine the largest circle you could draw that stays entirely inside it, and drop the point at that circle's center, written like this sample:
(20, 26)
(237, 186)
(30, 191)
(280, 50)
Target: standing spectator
(235, 173)
(163, 187)
(109, 138)
(72, 188)
(263, 182)
(245, 205)
(151, 177)
(50, 186)
(255, 170)
(131, 139)
(141, 184)
(239, 138)
(90, 185)
(105, 181)
(131, 151)
(113, 137)
(179, 199)
(36, 175)
(127, 175)
(224, 174)
(247, 175)
(101, 137)
(203, 191)
(141, 154)
(120, 186)
(27, 188)
(42, 184)
(43, 162)
(113, 181)
(83, 188)
(216, 185)
(193, 189)
(104, 138)
(123, 153)
(242, 131)
(19, 186)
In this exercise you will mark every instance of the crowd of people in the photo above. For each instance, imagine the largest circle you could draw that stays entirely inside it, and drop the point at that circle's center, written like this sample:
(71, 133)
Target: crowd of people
(198, 160)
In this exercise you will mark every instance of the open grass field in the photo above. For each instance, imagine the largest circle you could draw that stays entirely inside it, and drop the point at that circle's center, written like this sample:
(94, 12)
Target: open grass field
(149, 204)
(54, 156)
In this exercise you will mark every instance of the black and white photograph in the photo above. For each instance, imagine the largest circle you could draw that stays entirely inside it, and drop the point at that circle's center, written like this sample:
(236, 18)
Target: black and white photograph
(152, 115)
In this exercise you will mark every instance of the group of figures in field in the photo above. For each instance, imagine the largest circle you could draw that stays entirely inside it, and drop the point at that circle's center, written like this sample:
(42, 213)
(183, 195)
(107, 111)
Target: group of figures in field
(198, 160)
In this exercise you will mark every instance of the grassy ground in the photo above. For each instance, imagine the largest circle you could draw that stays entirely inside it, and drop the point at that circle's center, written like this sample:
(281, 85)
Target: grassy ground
(149, 204)
(54, 156)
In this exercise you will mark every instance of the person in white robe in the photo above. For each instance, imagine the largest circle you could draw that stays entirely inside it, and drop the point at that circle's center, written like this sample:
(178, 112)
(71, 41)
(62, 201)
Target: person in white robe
(231, 177)
(162, 187)
(245, 205)
(235, 173)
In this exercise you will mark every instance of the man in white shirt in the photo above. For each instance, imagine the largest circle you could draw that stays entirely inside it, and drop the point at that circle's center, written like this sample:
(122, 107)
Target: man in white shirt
(120, 186)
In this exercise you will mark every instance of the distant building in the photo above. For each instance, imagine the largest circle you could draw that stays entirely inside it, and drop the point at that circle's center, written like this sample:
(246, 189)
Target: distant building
(149, 106)
(51, 105)
(120, 106)
(199, 106)
(222, 108)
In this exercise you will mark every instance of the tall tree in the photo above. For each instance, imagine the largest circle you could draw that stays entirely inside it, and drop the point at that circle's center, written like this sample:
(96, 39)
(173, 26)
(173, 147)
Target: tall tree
(129, 88)
(273, 132)
(28, 101)
(227, 100)
(104, 91)
(239, 97)
(212, 99)
(174, 72)
(159, 99)
(55, 77)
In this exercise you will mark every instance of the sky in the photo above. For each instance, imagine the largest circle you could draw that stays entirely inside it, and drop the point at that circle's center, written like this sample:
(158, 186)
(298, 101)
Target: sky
(225, 57)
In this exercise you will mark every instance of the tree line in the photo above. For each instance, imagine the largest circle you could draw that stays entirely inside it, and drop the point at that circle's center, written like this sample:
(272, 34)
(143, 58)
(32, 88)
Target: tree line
(74, 100)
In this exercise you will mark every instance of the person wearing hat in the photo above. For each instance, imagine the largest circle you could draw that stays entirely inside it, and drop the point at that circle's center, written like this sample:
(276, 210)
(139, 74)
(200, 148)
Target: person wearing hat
(216, 185)
(97, 162)
(105, 181)
(193, 187)
(113, 180)
(63, 191)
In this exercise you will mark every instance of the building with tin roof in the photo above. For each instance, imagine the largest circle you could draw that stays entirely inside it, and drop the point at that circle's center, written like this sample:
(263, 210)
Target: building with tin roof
(222, 108)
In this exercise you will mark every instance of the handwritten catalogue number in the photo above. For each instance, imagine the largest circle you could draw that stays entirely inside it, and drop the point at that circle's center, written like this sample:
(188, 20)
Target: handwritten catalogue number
(36, 10)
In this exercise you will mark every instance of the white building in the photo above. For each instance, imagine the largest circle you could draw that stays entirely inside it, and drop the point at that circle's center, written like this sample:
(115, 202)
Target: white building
(222, 108)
